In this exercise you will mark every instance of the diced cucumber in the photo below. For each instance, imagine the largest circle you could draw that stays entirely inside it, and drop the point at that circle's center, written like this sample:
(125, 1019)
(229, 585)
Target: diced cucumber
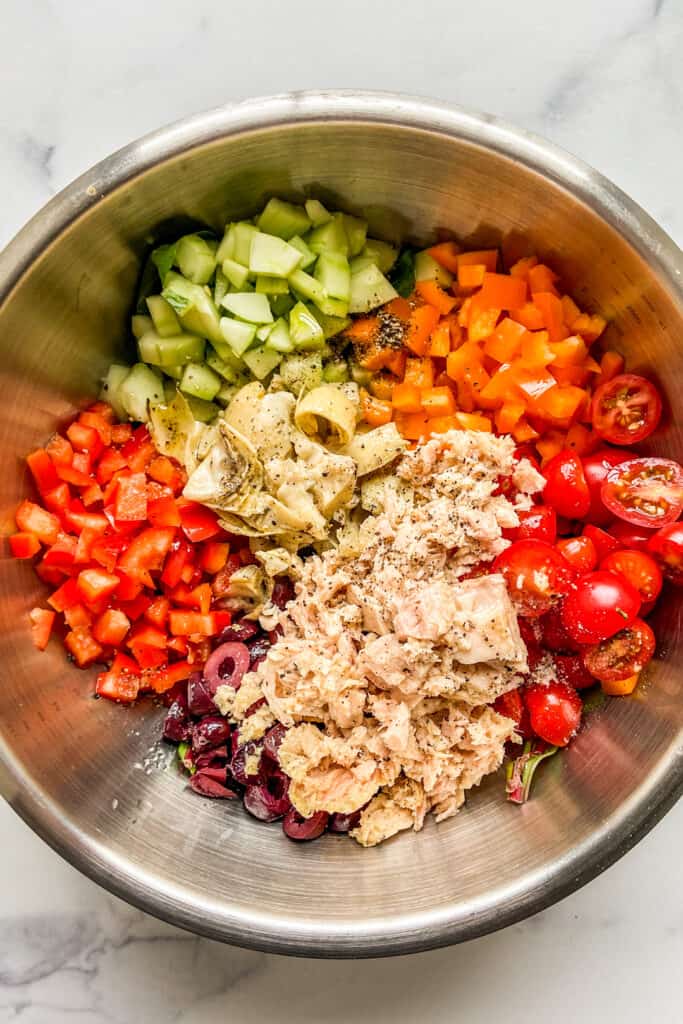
(262, 361)
(304, 330)
(226, 248)
(330, 237)
(369, 289)
(165, 321)
(267, 285)
(220, 366)
(173, 351)
(283, 219)
(279, 339)
(334, 307)
(203, 411)
(308, 257)
(194, 308)
(200, 381)
(232, 360)
(301, 372)
(281, 304)
(139, 325)
(332, 271)
(220, 286)
(427, 269)
(228, 392)
(356, 232)
(248, 306)
(263, 332)
(359, 374)
(176, 372)
(359, 263)
(236, 274)
(111, 386)
(380, 253)
(140, 388)
(170, 391)
(272, 255)
(244, 235)
(239, 336)
(336, 371)
(196, 258)
(317, 212)
(332, 325)
(307, 286)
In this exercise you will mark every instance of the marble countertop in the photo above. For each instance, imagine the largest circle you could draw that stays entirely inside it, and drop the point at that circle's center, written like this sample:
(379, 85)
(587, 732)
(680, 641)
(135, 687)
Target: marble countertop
(78, 81)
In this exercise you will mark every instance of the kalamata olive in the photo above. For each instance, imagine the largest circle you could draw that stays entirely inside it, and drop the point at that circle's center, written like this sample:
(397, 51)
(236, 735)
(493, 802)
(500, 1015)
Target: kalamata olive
(273, 739)
(177, 724)
(226, 665)
(238, 762)
(258, 649)
(283, 592)
(341, 823)
(240, 632)
(199, 700)
(302, 829)
(268, 800)
(211, 731)
(204, 784)
(212, 758)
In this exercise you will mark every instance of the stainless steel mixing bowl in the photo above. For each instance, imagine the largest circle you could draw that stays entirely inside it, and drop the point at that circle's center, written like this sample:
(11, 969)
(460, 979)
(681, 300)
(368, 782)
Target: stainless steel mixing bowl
(84, 773)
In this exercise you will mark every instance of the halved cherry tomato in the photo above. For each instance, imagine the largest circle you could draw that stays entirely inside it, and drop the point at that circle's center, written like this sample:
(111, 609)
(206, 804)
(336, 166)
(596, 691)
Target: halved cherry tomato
(623, 655)
(579, 552)
(511, 705)
(566, 489)
(596, 466)
(635, 538)
(666, 546)
(645, 492)
(641, 571)
(536, 575)
(604, 542)
(626, 409)
(572, 671)
(600, 605)
(555, 711)
(554, 634)
(538, 523)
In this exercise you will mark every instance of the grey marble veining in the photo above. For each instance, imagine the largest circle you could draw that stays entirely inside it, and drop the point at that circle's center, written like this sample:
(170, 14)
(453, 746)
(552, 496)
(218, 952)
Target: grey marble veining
(79, 80)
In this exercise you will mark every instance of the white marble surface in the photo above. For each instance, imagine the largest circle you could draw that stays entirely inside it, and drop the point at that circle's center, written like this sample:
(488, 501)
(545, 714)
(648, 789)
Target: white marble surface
(78, 80)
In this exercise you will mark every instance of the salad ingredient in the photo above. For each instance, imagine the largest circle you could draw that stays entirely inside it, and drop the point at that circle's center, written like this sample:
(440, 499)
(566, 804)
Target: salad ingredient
(536, 523)
(645, 492)
(570, 669)
(600, 605)
(666, 546)
(627, 535)
(596, 466)
(566, 489)
(620, 687)
(626, 409)
(555, 712)
(639, 568)
(520, 772)
(623, 655)
(536, 575)
(579, 552)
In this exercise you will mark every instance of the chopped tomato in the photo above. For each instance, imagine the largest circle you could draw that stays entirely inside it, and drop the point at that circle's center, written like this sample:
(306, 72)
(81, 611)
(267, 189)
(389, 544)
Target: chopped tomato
(596, 466)
(627, 535)
(571, 670)
(511, 705)
(626, 409)
(645, 492)
(602, 541)
(623, 655)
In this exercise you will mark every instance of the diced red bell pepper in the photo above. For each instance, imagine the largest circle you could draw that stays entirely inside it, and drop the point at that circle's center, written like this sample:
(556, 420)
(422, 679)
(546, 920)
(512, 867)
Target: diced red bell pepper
(191, 574)
(74, 476)
(125, 526)
(178, 644)
(149, 657)
(42, 621)
(82, 647)
(91, 495)
(65, 596)
(59, 450)
(146, 553)
(31, 518)
(96, 584)
(121, 682)
(24, 545)
(222, 619)
(198, 522)
(82, 461)
(106, 551)
(180, 555)
(202, 596)
(148, 635)
(104, 410)
(111, 627)
(135, 608)
(214, 556)
(165, 471)
(96, 421)
(121, 433)
(111, 462)
(182, 595)
(163, 512)
(43, 470)
(77, 617)
(84, 439)
(54, 577)
(157, 613)
(86, 540)
(131, 498)
(58, 499)
(163, 679)
(183, 623)
(128, 589)
(139, 450)
(62, 552)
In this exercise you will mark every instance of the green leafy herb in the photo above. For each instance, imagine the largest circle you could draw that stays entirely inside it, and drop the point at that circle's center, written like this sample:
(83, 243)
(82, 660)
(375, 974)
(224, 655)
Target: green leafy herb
(402, 275)
(520, 772)
(163, 258)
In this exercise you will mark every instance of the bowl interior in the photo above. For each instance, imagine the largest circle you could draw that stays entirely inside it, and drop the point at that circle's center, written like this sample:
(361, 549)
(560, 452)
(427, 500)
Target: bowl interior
(88, 775)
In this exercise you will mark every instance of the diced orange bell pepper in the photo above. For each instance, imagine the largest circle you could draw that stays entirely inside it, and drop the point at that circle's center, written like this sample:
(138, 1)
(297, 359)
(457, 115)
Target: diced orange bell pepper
(552, 442)
(580, 439)
(419, 372)
(362, 330)
(508, 416)
(440, 340)
(502, 386)
(570, 311)
(375, 412)
(577, 375)
(435, 296)
(611, 365)
(506, 341)
(471, 275)
(473, 421)
(570, 351)
(559, 403)
(482, 321)
(489, 258)
(536, 350)
(542, 279)
(454, 328)
(396, 362)
(551, 310)
(522, 267)
(621, 687)
(406, 397)
(464, 313)
(532, 381)
(446, 254)
(463, 361)
(502, 291)
(438, 402)
(422, 322)
(399, 308)
(466, 402)
(524, 432)
(529, 316)
(413, 425)
(381, 387)
(442, 424)
(589, 327)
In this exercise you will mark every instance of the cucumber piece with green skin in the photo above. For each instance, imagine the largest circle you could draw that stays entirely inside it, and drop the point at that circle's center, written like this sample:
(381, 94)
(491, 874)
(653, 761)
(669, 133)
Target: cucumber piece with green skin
(336, 372)
(111, 385)
(427, 269)
(166, 323)
(272, 256)
(219, 366)
(263, 332)
(333, 307)
(283, 219)
(244, 233)
(356, 232)
(196, 258)
(301, 372)
(249, 306)
(308, 257)
(330, 237)
(193, 307)
(307, 286)
(226, 247)
(239, 336)
(304, 330)
(279, 338)
(369, 289)
(200, 381)
(220, 286)
(359, 263)
(140, 325)
(267, 285)
(176, 372)
(333, 273)
(262, 361)
(317, 212)
(226, 354)
(140, 388)
(332, 325)
(236, 274)
(173, 351)
(281, 304)
(380, 253)
(203, 411)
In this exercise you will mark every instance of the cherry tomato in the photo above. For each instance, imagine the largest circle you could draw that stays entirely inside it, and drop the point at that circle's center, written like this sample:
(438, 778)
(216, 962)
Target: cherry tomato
(554, 634)
(511, 704)
(566, 489)
(572, 671)
(596, 466)
(536, 575)
(539, 523)
(555, 712)
(604, 542)
(623, 655)
(640, 569)
(600, 605)
(635, 538)
(579, 552)
(645, 492)
(666, 546)
(626, 409)
(528, 631)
